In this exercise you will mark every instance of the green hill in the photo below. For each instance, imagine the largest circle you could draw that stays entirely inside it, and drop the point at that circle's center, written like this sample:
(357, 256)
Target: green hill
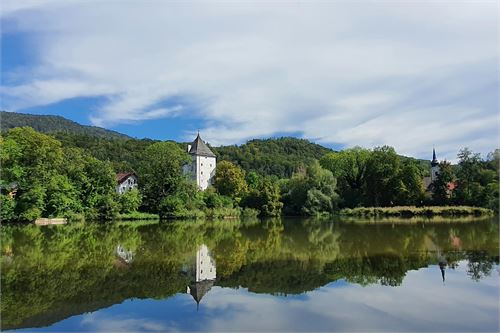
(277, 156)
(52, 124)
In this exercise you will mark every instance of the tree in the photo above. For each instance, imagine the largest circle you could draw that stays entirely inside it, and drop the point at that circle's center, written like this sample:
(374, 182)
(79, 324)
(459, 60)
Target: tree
(349, 168)
(161, 172)
(468, 177)
(310, 191)
(130, 201)
(382, 177)
(54, 181)
(264, 196)
(412, 191)
(441, 192)
(230, 180)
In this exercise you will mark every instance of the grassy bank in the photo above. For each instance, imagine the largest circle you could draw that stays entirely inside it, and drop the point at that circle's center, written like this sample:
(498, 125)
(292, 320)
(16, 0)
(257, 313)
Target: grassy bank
(137, 216)
(215, 213)
(412, 211)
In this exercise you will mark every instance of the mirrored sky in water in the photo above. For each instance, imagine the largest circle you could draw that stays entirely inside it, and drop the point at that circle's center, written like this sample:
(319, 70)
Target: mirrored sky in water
(271, 275)
(422, 303)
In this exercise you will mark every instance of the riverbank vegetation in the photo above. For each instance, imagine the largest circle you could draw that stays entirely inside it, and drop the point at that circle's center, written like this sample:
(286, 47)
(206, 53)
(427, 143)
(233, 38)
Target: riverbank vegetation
(412, 211)
(73, 176)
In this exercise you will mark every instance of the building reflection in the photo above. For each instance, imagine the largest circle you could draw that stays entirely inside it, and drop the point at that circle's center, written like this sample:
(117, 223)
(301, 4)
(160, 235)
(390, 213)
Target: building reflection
(203, 274)
(124, 255)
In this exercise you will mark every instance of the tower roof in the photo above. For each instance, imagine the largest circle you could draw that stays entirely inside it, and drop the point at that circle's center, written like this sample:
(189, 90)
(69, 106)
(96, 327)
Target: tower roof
(200, 289)
(434, 161)
(198, 147)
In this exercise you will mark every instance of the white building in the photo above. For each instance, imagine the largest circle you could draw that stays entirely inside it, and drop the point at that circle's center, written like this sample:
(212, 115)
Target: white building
(204, 274)
(203, 162)
(125, 182)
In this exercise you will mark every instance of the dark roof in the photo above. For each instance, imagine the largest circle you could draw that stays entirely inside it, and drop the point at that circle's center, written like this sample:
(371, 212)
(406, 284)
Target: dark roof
(434, 161)
(198, 147)
(200, 289)
(122, 176)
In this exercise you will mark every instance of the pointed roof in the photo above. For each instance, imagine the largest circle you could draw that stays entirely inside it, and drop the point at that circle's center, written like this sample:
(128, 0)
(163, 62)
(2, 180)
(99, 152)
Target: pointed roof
(434, 161)
(198, 147)
(200, 289)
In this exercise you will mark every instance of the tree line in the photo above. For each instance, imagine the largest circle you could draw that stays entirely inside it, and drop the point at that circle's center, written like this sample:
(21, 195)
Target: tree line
(50, 176)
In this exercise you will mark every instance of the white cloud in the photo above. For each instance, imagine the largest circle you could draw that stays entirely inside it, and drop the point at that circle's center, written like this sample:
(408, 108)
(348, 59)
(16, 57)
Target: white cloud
(405, 74)
(422, 303)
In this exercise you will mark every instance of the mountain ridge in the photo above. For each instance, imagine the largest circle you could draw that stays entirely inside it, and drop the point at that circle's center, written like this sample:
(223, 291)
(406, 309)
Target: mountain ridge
(52, 124)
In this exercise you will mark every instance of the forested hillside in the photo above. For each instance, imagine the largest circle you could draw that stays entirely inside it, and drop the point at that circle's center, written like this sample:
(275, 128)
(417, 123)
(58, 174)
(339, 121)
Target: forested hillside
(279, 157)
(51, 124)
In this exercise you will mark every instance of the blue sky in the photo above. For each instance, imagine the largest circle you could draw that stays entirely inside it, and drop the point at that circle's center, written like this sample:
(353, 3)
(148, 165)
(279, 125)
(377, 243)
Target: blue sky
(407, 74)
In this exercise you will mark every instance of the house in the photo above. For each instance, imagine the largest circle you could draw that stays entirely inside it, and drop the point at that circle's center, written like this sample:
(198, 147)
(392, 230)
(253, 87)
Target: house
(125, 182)
(201, 169)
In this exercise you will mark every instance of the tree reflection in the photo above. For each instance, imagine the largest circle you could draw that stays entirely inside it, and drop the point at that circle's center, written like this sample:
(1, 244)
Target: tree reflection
(51, 273)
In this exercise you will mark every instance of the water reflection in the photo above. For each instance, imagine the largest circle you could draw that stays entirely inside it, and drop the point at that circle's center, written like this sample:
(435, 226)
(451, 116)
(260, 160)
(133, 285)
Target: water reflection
(50, 274)
(126, 256)
(202, 273)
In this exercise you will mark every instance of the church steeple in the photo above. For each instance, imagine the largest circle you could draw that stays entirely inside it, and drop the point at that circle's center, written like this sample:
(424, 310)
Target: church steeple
(434, 161)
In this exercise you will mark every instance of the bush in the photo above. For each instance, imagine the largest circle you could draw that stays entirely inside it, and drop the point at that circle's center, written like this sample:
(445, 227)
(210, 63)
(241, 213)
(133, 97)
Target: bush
(410, 211)
(130, 201)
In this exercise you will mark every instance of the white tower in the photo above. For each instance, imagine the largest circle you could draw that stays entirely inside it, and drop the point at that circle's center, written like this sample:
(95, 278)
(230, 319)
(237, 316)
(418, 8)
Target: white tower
(434, 166)
(203, 162)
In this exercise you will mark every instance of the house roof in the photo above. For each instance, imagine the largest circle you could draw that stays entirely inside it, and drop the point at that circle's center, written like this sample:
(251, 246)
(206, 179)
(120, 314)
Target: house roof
(198, 147)
(200, 289)
(452, 186)
(123, 176)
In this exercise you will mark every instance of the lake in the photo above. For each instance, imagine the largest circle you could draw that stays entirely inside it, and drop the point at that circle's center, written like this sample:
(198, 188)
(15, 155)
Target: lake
(269, 275)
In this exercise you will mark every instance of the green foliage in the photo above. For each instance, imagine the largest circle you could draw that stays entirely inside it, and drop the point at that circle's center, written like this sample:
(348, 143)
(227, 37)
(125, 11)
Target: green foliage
(264, 195)
(230, 180)
(441, 193)
(477, 179)
(130, 201)
(8, 208)
(52, 124)
(349, 167)
(382, 180)
(161, 174)
(279, 157)
(310, 191)
(411, 211)
(49, 274)
(53, 181)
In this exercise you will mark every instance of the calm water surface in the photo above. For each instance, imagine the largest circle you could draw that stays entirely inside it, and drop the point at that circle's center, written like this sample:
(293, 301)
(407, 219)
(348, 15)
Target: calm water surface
(273, 275)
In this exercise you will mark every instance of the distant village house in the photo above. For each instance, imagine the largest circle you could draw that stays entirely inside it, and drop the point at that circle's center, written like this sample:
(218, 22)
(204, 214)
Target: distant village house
(125, 182)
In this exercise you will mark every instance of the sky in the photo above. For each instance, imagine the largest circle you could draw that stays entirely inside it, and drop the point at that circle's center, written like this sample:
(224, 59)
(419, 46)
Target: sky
(410, 74)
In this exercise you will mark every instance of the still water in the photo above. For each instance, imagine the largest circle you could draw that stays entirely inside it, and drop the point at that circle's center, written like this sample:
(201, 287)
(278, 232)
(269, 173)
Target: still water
(272, 275)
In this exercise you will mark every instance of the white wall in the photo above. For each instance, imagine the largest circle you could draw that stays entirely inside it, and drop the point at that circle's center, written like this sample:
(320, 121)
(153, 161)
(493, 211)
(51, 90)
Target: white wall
(205, 171)
(434, 172)
(205, 265)
(128, 184)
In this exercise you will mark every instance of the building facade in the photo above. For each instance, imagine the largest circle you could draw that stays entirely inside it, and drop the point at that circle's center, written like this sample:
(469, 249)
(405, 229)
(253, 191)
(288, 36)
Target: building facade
(125, 181)
(202, 165)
